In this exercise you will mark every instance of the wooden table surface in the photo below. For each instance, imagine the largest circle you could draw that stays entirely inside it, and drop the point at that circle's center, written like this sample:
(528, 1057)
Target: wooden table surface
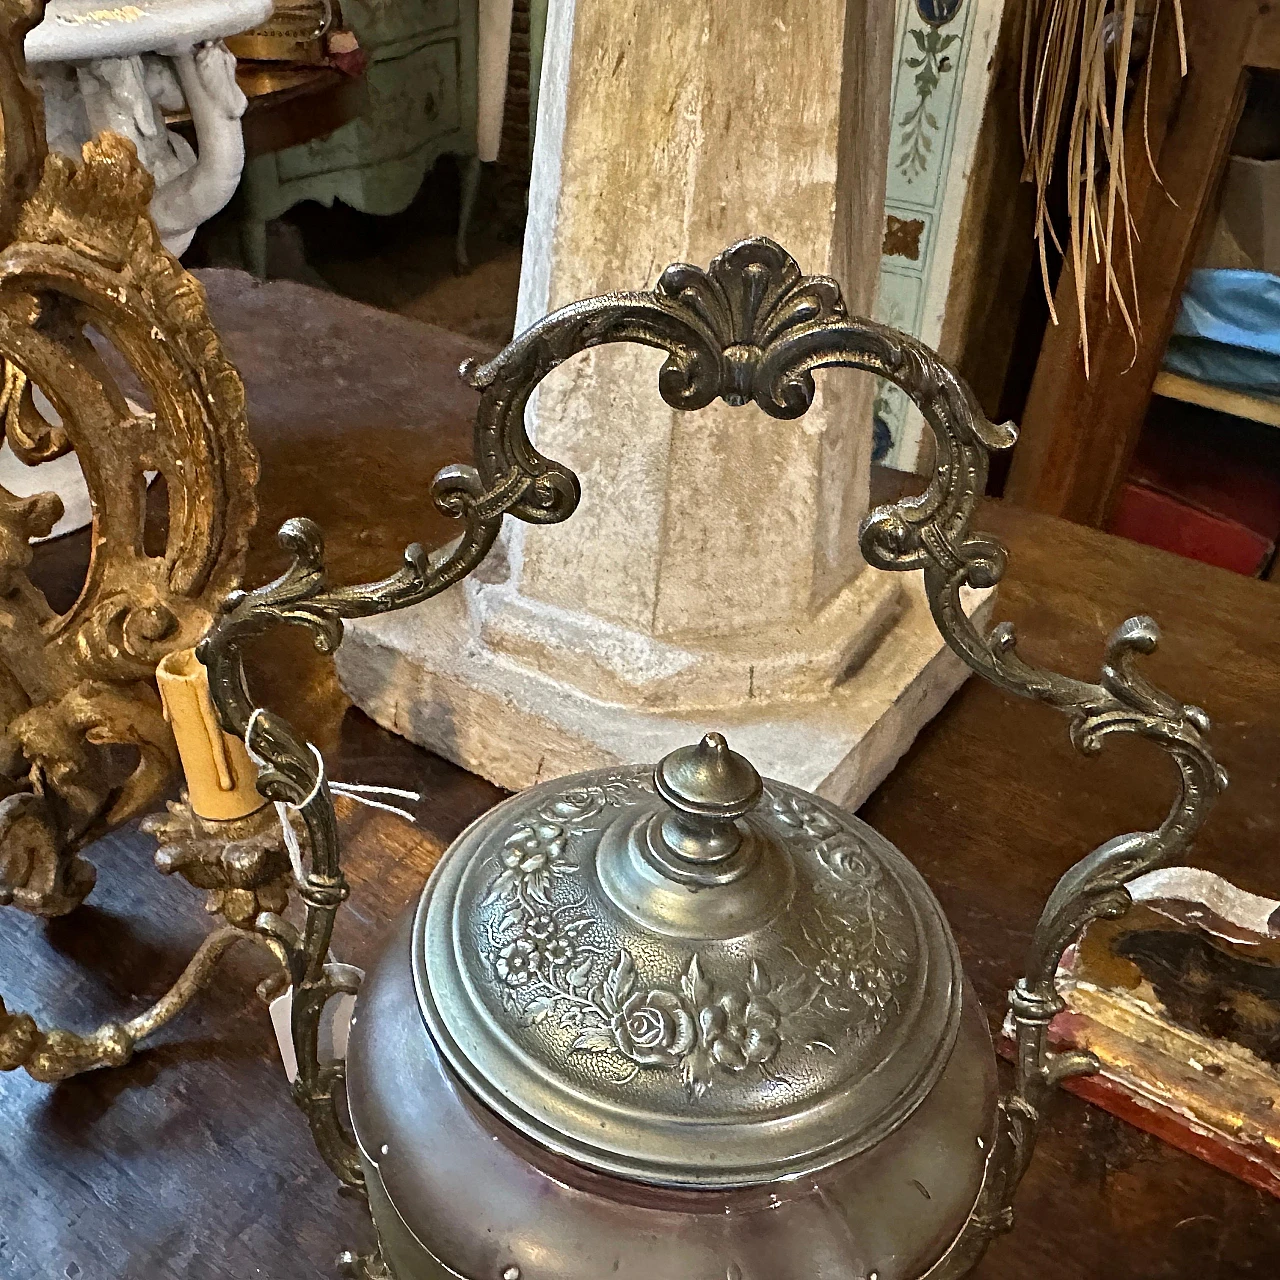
(191, 1163)
(289, 104)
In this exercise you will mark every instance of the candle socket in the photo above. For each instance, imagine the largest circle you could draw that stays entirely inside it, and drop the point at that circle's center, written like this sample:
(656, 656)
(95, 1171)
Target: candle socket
(241, 863)
(222, 836)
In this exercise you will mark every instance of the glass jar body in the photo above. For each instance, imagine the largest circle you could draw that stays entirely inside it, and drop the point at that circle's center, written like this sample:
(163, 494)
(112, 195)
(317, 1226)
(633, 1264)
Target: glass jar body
(457, 1192)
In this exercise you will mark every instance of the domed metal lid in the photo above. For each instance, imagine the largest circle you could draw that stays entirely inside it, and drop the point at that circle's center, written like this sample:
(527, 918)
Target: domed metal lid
(686, 976)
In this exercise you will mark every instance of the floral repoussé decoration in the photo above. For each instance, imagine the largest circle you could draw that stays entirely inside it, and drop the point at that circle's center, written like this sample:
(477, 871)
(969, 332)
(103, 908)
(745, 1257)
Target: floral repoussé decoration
(549, 960)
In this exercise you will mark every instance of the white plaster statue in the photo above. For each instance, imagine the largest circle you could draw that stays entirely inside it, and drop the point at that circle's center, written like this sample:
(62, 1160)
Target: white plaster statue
(122, 68)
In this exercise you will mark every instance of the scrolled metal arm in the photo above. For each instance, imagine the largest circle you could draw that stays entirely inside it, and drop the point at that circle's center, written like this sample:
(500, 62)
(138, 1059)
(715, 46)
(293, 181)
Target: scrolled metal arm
(932, 533)
(51, 1055)
(749, 328)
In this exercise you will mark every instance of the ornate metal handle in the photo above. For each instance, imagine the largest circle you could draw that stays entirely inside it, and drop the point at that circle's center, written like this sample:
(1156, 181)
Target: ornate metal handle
(751, 328)
(932, 533)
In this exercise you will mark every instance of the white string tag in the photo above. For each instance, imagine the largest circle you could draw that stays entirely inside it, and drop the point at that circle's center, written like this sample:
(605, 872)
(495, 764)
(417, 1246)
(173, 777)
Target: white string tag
(335, 1019)
(360, 792)
(291, 842)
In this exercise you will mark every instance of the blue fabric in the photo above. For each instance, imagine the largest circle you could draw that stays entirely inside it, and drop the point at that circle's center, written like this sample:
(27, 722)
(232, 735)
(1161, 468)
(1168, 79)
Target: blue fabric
(1223, 366)
(1228, 330)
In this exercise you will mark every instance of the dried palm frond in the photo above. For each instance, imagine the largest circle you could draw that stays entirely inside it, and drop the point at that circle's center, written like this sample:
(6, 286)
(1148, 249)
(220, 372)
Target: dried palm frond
(1076, 57)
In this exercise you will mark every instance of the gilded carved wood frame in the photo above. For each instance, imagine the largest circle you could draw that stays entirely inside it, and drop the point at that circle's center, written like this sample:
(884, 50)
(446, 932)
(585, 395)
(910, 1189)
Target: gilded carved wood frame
(87, 291)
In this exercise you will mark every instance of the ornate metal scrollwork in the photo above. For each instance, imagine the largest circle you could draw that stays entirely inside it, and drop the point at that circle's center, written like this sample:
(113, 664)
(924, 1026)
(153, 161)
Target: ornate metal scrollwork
(82, 268)
(79, 255)
(751, 328)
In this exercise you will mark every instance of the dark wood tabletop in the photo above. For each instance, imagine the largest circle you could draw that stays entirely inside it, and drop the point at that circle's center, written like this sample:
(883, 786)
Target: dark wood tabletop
(191, 1163)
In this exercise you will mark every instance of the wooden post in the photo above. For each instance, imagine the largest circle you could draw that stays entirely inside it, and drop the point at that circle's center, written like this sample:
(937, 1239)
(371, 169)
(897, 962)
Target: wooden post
(1078, 433)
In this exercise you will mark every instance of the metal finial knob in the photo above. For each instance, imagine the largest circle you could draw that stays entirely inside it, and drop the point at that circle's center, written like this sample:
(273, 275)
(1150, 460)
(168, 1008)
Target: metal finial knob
(708, 787)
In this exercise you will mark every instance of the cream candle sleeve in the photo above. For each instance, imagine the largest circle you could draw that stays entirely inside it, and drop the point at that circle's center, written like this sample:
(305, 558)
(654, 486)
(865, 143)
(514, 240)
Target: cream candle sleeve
(221, 779)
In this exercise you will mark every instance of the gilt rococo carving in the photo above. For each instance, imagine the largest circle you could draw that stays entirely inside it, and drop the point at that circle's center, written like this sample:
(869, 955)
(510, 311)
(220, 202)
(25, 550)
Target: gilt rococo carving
(92, 306)
(750, 328)
(84, 746)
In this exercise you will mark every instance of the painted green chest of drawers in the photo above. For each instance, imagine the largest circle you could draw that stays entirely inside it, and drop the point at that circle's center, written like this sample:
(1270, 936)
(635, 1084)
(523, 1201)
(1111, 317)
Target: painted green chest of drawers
(420, 89)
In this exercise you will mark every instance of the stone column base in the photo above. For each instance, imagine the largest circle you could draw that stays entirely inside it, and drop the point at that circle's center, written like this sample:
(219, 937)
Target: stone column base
(424, 673)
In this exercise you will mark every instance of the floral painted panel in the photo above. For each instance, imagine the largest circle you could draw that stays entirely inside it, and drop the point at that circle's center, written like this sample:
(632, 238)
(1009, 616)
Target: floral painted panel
(941, 74)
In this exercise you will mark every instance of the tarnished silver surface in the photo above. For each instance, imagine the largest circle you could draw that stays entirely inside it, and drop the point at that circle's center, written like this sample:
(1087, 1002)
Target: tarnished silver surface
(708, 788)
(749, 328)
(686, 1035)
(457, 1192)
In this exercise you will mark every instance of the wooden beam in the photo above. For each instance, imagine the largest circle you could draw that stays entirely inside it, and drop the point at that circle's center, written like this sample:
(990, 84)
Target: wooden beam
(1263, 50)
(1078, 433)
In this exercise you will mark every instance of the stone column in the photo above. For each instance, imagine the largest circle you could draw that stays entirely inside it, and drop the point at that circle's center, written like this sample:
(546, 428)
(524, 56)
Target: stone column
(711, 577)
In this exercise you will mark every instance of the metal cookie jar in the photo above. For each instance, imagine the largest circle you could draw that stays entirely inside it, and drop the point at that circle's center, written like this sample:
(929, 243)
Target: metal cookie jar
(674, 1021)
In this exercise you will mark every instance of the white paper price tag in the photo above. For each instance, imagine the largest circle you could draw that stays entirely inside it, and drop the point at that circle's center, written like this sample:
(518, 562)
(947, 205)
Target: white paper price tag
(335, 1023)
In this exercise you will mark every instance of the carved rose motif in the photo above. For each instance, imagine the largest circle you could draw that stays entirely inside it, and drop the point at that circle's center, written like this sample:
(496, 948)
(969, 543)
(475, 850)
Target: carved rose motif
(653, 1029)
(844, 855)
(699, 1029)
(576, 805)
(551, 959)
